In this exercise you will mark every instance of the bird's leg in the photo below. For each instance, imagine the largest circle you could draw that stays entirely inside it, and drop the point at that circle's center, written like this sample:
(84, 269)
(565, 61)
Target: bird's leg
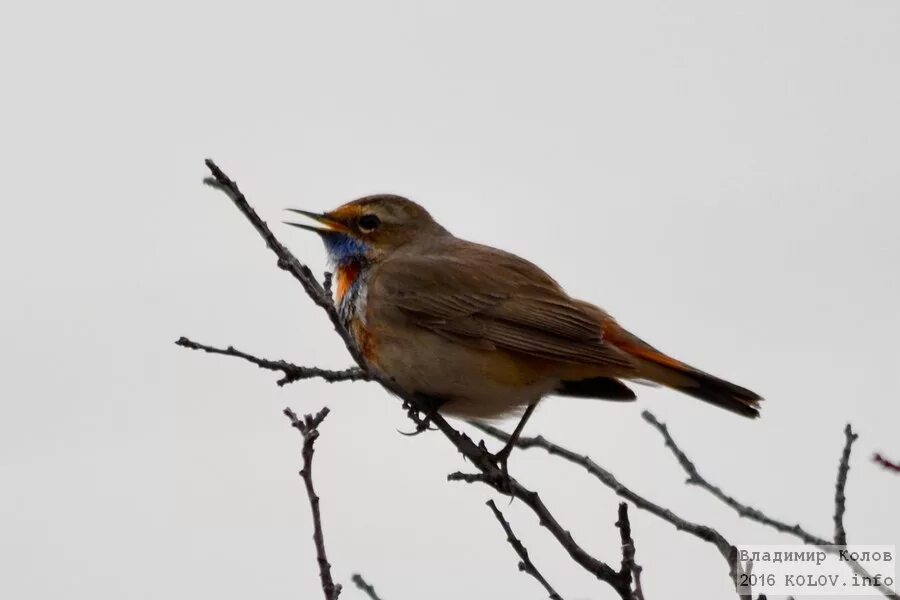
(503, 456)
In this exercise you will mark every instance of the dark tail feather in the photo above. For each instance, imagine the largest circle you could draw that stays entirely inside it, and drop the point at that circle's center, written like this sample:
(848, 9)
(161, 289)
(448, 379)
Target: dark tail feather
(718, 392)
(604, 388)
(657, 367)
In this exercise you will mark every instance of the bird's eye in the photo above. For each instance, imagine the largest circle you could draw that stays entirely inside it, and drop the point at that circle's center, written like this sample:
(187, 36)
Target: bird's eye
(368, 223)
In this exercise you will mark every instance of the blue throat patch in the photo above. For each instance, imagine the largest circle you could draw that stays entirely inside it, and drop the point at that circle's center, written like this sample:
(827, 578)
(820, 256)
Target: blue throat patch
(343, 249)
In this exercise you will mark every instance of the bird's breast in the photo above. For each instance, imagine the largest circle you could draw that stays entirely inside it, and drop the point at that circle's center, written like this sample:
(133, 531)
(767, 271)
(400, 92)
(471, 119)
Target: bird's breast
(351, 290)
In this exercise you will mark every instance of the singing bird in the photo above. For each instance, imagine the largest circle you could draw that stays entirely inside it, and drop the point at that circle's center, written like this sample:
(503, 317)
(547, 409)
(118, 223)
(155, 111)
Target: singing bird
(485, 333)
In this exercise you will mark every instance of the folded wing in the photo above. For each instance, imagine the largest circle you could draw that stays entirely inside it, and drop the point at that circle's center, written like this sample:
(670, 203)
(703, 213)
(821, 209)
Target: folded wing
(491, 299)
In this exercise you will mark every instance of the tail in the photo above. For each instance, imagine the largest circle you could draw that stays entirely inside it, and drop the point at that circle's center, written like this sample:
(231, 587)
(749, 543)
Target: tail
(657, 367)
(708, 388)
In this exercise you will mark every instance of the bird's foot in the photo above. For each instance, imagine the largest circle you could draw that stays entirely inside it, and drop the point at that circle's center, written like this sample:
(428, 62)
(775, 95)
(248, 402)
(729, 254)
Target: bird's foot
(421, 412)
(422, 424)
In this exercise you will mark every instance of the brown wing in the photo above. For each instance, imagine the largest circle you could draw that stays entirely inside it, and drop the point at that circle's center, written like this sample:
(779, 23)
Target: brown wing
(491, 299)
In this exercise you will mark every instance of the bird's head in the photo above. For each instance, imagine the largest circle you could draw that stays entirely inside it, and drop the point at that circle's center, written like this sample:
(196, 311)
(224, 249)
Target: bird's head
(371, 228)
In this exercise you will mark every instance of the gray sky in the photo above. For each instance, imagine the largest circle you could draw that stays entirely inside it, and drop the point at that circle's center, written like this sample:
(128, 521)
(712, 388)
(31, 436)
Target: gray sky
(720, 176)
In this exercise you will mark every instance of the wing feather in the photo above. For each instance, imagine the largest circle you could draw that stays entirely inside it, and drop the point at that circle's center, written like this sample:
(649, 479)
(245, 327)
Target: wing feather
(490, 299)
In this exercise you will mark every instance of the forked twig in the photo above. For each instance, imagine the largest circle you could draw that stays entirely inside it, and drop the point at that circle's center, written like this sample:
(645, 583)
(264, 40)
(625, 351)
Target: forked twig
(309, 428)
(291, 371)
(703, 532)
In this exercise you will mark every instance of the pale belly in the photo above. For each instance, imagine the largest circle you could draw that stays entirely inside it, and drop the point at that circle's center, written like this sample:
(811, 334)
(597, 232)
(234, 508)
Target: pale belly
(470, 382)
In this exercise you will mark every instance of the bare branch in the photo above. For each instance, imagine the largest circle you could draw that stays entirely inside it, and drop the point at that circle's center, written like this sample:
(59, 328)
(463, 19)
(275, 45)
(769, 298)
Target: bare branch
(629, 567)
(887, 464)
(705, 533)
(503, 483)
(840, 500)
(694, 478)
(525, 565)
(286, 260)
(309, 428)
(364, 586)
(291, 371)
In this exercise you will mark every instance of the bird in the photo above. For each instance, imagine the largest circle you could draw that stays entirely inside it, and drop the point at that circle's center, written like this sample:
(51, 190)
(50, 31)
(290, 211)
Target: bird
(482, 333)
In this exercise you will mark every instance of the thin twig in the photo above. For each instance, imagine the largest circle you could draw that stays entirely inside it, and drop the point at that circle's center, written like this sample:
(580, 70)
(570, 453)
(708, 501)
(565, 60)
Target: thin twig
(291, 371)
(286, 260)
(309, 428)
(525, 565)
(629, 567)
(887, 464)
(694, 478)
(840, 500)
(364, 586)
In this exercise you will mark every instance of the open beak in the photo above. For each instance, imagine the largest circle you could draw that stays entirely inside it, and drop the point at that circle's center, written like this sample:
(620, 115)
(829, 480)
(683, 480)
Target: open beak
(331, 226)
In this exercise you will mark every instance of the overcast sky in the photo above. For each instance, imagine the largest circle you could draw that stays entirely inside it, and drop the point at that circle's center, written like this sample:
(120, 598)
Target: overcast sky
(722, 177)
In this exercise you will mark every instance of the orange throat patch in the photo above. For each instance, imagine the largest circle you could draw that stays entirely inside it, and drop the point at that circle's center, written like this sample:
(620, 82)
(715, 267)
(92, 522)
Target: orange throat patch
(345, 276)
